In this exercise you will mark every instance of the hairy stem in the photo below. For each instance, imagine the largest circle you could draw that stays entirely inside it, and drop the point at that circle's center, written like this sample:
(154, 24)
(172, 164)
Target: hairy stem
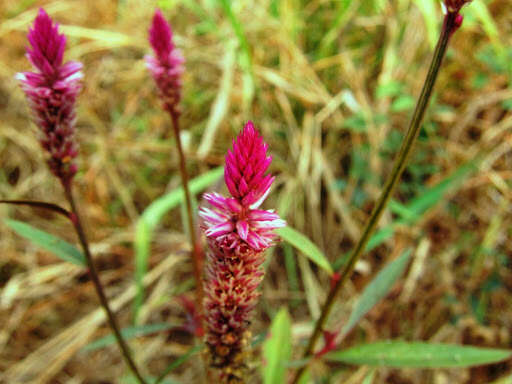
(197, 256)
(75, 218)
(451, 23)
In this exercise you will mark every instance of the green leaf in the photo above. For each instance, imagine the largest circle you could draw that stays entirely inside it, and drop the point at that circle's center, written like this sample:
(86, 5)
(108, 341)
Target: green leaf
(277, 349)
(402, 103)
(245, 56)
(176, 363)
(401, 354)
(128, 333)
(377, 289)
(306, 246)
(53, 244)
(150, 219)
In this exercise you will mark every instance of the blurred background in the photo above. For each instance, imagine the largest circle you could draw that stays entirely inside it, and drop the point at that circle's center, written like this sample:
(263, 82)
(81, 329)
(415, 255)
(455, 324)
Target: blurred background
(331, 85)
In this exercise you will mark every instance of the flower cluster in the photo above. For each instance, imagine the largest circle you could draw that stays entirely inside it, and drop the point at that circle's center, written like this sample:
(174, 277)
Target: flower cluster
(166, 66)
(238, 233)
(52, 90)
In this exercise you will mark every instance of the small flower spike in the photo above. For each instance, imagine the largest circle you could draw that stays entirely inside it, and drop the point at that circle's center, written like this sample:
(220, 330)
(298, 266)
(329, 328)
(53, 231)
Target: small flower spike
(238, 233)
(166, 66)
(52, 90)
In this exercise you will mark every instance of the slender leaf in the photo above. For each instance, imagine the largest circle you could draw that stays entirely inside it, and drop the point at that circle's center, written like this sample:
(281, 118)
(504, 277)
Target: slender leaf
(176, 363)
(277, 349)
(51, 243)
(369, 377)
(128, 333)
(306, 246)
(377, 289)
(39, 204)
(401, 354)
(414, 209)
(245, 56)
(150, 219)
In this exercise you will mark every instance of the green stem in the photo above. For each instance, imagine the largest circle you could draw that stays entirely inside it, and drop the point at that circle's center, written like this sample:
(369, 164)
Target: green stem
(93, 273)
(451, 23)
(197, 256)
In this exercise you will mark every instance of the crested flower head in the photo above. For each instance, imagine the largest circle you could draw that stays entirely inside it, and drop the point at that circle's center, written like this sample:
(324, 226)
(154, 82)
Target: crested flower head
(238, 232)
(166, 66)
(52, 90)
(236, 221)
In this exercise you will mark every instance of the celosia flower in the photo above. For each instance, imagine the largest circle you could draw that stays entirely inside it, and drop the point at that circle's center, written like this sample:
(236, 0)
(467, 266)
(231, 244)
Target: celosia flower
(166, 66)
(238, 232)
(454, 6)
(52, 90)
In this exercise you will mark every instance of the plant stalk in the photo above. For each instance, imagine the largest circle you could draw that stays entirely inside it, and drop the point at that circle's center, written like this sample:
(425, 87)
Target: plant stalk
(451, 23)
(93, 272)
(197, 256)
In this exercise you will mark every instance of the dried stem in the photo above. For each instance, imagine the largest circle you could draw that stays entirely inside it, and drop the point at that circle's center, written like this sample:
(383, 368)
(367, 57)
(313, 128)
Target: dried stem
(75, 218)
(197, 256)
(451, 23)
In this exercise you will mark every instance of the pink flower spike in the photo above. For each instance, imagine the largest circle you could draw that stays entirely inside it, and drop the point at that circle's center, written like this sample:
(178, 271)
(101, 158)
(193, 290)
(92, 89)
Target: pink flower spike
(238, 233)
(166, 66)
(52, 90)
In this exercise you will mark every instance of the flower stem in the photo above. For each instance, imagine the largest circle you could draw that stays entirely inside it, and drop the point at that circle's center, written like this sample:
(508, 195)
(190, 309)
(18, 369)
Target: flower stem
(75, 218)
(451, 23)
(197, 256)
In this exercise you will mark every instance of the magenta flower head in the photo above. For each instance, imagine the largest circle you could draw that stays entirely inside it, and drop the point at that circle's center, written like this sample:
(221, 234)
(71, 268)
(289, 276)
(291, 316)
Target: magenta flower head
(166, 66)
(52, 90)
(238, 233)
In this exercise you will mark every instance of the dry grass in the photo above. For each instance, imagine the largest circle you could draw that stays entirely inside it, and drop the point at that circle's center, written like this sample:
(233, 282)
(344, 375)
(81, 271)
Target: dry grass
(330, 137)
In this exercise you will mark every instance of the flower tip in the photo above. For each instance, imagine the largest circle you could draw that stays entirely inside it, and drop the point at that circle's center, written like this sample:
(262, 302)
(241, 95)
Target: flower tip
(160, 35)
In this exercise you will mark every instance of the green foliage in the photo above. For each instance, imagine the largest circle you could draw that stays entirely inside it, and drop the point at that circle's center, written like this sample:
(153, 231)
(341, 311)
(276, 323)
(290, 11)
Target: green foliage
(51, 243)
(277, 349)
(377, 289)
(411, 212)
(128, 333)
(401, 354)
(305, 246)
(150, 219)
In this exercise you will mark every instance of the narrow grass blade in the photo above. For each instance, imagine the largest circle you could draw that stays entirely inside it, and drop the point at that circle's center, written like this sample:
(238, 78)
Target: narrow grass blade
(377, 289)
(306, 246)
(176, 363)
(277, 349)
(51, 243)
(128, 333)
(39, 204)
(401, 354)
(411, 212)
(150, 219)
(246, 57)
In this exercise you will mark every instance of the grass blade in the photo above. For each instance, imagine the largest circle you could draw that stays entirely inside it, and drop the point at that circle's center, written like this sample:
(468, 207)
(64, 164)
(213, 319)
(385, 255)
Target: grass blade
(150, 219)
(306, 246)
(277, 349)
(128, 333)
(51, 243)
(401, 354)
(377, 289)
